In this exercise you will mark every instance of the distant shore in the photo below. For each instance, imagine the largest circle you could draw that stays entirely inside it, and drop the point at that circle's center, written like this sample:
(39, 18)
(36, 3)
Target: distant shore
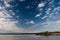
(48, 33)
(41, 33)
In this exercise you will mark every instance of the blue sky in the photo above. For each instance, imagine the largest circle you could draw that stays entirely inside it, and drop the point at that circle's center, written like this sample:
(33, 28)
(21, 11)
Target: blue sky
(29, 15)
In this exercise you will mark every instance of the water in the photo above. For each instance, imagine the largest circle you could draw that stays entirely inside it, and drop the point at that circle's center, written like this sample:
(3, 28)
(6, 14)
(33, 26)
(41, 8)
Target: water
(28, 37)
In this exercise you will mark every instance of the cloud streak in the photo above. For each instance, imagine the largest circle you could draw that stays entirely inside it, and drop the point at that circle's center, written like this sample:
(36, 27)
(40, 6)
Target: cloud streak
(7, 23)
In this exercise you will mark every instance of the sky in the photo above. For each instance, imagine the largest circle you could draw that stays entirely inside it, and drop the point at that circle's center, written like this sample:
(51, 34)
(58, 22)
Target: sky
(26, 16)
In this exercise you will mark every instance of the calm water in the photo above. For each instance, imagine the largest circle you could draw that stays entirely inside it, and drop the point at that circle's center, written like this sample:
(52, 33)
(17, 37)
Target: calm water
(28, 37)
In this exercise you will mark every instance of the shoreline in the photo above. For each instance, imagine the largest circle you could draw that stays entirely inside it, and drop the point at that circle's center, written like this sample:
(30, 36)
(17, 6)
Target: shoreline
(41, 33)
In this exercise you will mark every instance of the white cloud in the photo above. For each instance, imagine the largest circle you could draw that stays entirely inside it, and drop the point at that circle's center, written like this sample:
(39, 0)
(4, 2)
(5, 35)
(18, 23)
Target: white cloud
(4, 13)
(52, 26)
(41, 9)
(51, 2)
(6, 24)
(41, 4)
(57, 8)
(17, 16)
(30, 22)
(12, 13)
(6, 4)
(38, 15)
(48, 26)
(10, 26)
(0, 7)
(48, 11)
(44, 17)
(55, 15)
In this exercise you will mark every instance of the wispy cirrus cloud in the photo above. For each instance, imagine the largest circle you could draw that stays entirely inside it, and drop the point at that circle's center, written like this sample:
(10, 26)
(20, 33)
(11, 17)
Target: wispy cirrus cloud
(51, 26)
(7, 23)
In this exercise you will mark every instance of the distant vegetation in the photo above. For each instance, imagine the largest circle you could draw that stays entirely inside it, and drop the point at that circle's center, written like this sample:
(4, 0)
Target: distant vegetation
(48, 33)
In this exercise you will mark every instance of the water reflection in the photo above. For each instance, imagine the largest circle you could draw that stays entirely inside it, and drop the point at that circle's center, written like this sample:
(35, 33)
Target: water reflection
(28, 37)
